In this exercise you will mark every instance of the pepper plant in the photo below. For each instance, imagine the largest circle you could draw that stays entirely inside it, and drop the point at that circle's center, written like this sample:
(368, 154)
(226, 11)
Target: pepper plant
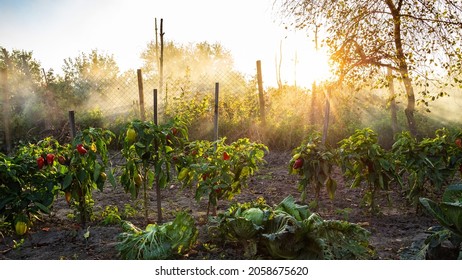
(429, 163)
(86, 165)
(29, 183)
(150, 150)
(363, 159)
(219, 171)
(314, 162)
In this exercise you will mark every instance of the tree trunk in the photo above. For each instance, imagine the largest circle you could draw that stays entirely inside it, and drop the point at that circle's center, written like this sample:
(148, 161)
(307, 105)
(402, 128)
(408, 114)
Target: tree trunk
(403, 66)
(410, 109)
(393, 108)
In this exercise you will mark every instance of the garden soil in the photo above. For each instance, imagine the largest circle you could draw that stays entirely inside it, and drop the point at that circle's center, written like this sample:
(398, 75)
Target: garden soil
(397, 232)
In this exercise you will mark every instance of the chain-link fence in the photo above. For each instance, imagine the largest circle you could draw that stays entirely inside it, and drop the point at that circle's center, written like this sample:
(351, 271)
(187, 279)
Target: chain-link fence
(35, 104)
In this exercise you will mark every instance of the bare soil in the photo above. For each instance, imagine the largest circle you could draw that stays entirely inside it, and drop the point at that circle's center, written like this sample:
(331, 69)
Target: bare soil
(396, 233)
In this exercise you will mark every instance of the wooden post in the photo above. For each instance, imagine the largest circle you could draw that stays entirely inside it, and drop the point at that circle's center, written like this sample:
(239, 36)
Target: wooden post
(156, 147)
(157, 44)
(155, 106)
(215, 131)
(161, 63)
(6, 108)
(72, 124)
(260, 94)
(326, 116)
(141, 94)
(313, 104)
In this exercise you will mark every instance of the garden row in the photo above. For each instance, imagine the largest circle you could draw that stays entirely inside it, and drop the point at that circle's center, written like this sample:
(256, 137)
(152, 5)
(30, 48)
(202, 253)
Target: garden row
(154, 155)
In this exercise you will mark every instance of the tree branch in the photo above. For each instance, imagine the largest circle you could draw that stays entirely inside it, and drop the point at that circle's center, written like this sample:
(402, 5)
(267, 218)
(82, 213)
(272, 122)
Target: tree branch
(456, 23)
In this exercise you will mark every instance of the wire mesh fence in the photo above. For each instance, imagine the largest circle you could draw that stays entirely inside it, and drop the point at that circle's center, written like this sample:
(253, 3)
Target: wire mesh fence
(35, 104)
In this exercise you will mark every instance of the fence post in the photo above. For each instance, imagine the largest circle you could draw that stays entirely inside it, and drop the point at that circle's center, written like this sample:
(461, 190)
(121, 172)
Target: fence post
(313, 104)
(6, 108)
(156, 148)
(215, 131)
(72, 124)
(141, 94)
(161, 63)
(155, 106)
(260, 94)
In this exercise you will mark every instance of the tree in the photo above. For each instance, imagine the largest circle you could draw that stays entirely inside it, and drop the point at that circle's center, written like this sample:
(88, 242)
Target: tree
(420, 40)
(25, 100)
(87, 75)
(194, 60)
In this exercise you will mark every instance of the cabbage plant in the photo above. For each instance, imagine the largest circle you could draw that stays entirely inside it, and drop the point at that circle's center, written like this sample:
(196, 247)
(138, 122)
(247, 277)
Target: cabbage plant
(158, 242)
(290, 231)
(449, 211)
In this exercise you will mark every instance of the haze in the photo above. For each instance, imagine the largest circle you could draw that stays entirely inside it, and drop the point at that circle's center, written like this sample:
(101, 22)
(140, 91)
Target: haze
(55, 30)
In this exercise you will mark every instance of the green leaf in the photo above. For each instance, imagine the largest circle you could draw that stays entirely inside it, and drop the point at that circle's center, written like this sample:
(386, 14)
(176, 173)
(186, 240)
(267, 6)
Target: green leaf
(437, 212)
(111, 178)
(453, 193)
(140, 145)
(168, 149)
(42, 207)
(67, 181)
(96, 171)
(158, 241)
(453, 211)
(82, 175)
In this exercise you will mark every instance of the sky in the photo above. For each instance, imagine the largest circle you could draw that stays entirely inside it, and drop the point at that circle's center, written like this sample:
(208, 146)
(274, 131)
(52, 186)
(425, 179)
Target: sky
(251, 30)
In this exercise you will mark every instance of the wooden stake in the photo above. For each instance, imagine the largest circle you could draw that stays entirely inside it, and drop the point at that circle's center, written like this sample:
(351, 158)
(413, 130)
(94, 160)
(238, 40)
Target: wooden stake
(155, 106)
(141, 94)
(161, 62)
(157, 45)
(156, 147)
(217, 90)
(313, 104)
(72, 124)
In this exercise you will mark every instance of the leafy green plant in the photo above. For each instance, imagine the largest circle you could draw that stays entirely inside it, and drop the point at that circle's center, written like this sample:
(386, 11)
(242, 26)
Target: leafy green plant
(219, 171)
(86, 161)
(448, 213)
(296, 233)
(290, 231)
(111, 215)
(243, 223)
(314, 162)
(158, 242)
(150, 150)
(429, 163)
(28, 182)
(363, 159)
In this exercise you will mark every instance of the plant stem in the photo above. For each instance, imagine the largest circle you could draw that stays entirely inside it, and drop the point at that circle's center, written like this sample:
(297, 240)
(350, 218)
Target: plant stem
(145, 194)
